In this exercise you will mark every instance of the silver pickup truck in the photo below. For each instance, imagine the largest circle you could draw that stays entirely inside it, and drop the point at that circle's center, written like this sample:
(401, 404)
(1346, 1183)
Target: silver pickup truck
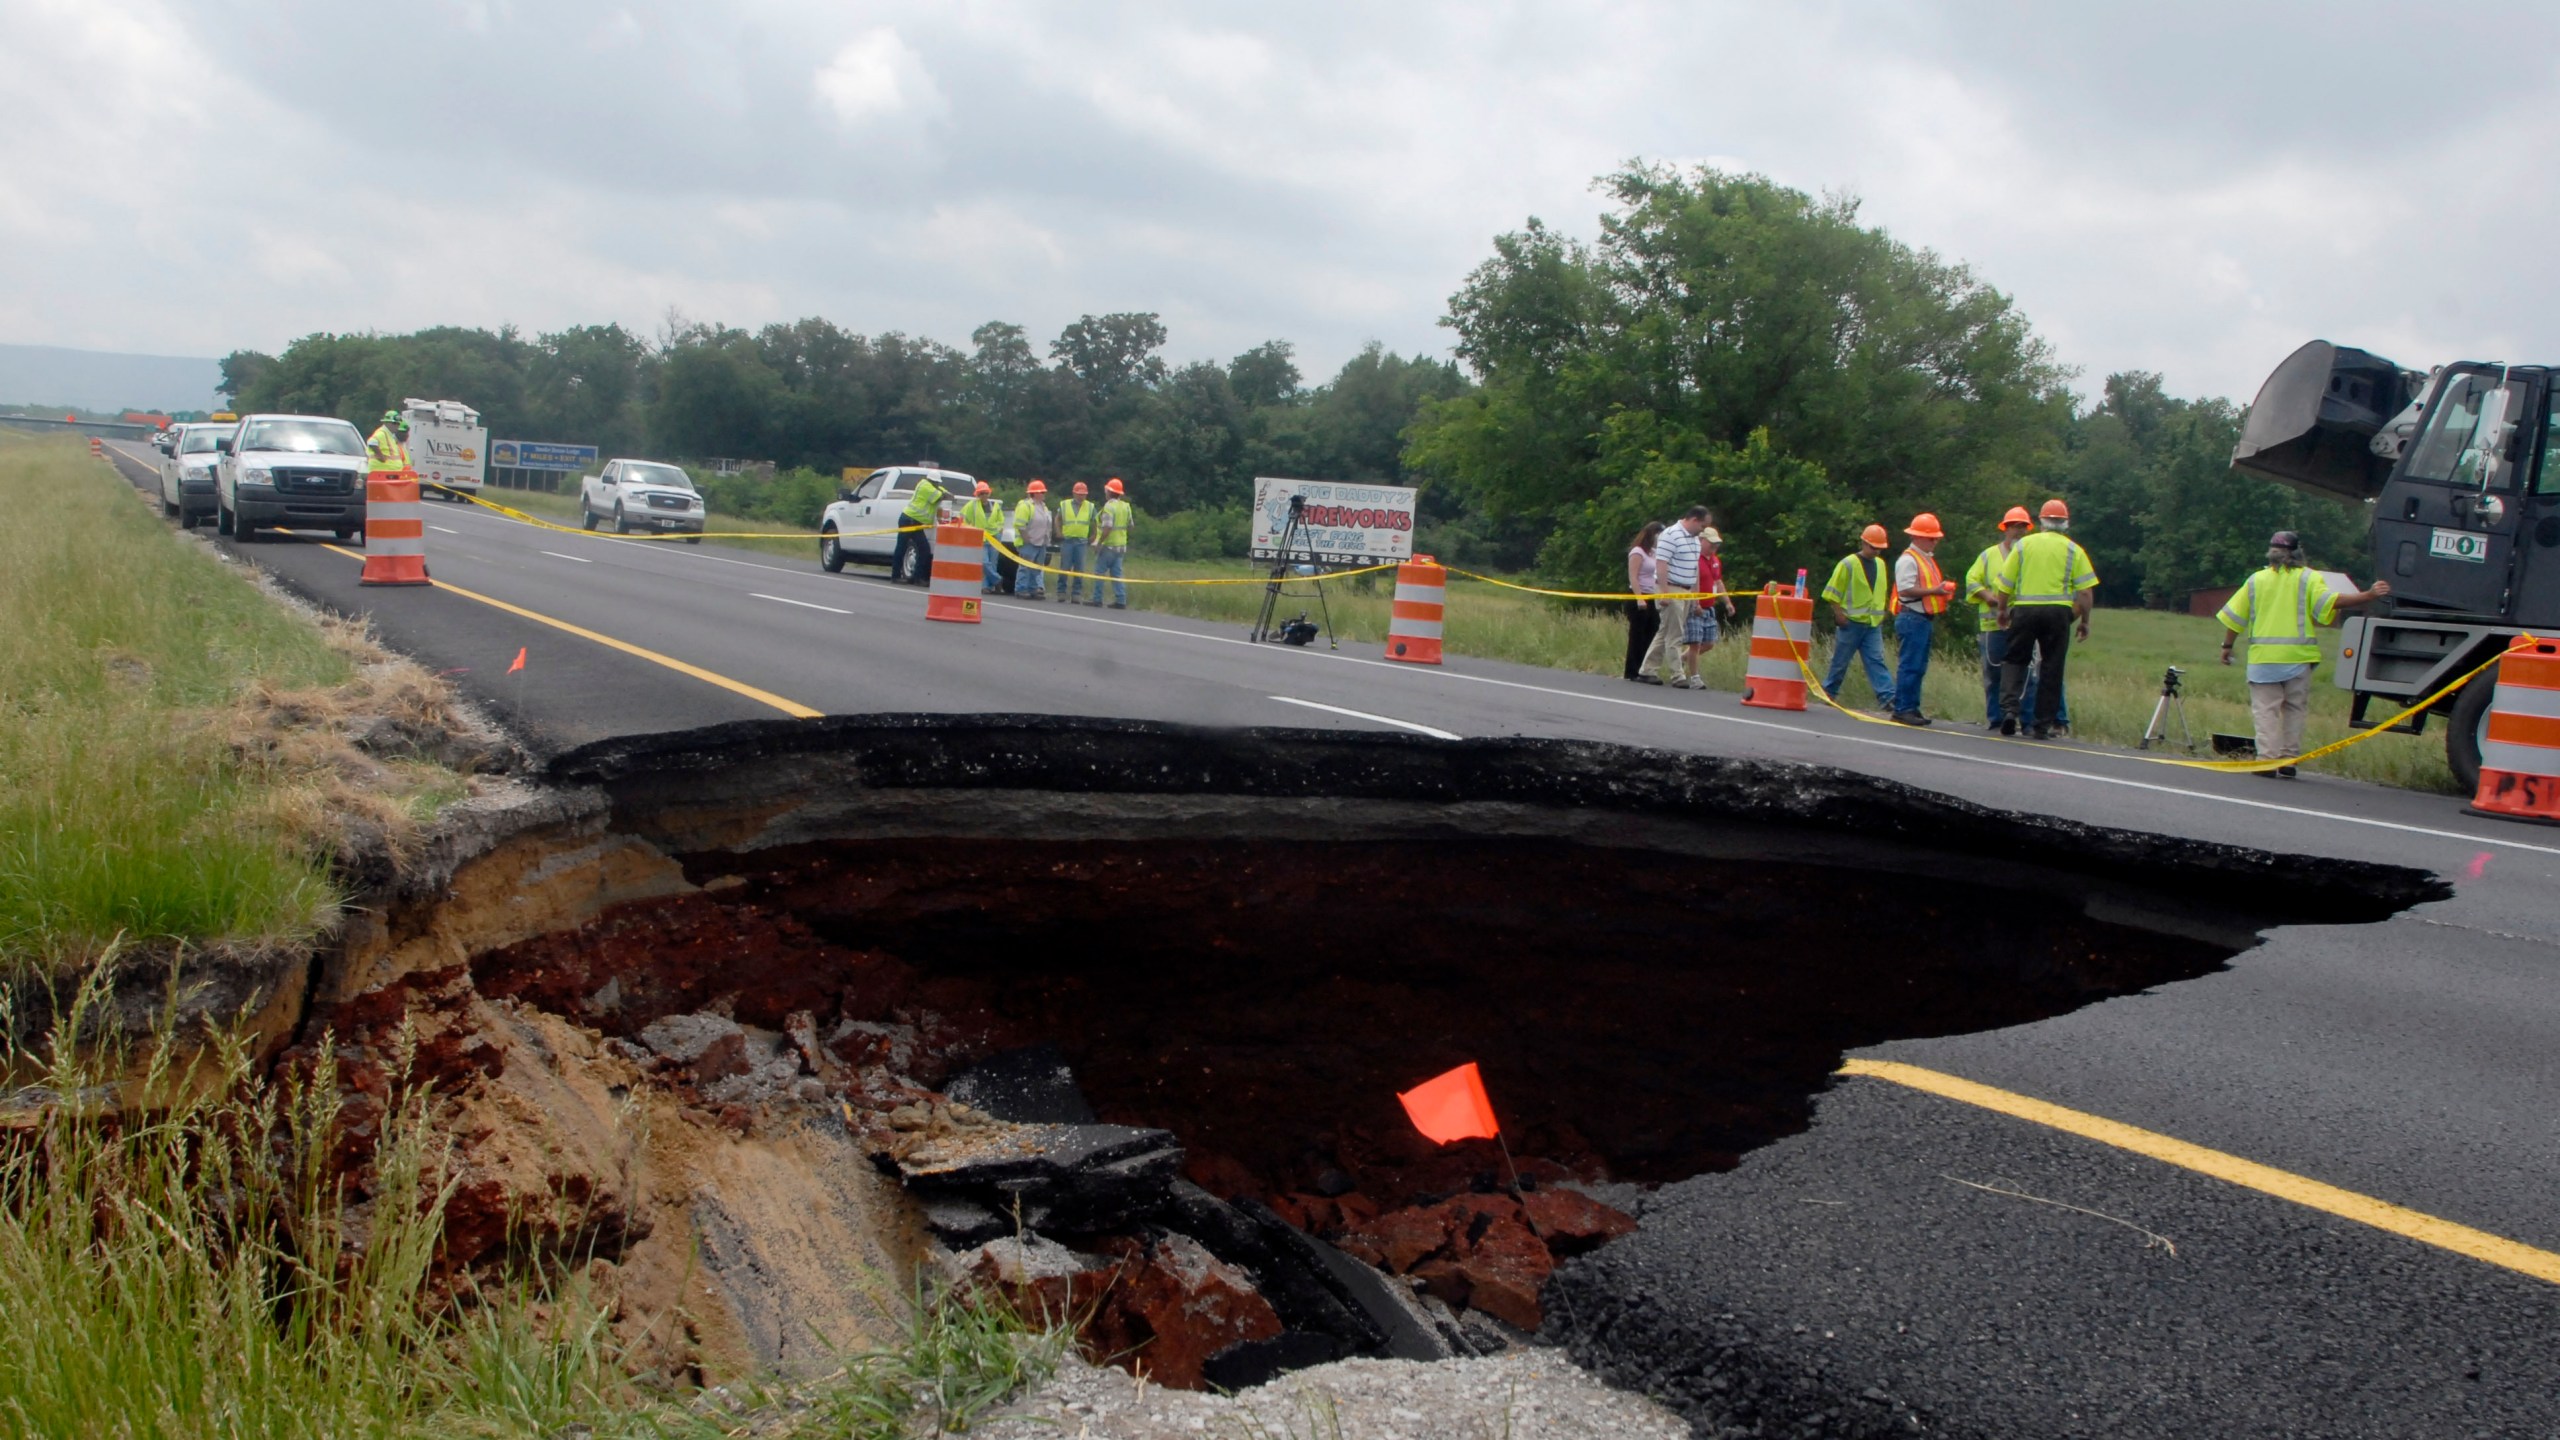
(634, 495)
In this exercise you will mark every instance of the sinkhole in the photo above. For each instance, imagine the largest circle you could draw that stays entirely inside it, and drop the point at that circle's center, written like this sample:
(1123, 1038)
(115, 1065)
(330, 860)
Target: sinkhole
(709, 999)
(1255, 939)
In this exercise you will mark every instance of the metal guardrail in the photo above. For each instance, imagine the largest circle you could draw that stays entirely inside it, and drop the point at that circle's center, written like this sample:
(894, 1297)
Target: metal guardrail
(109, 429)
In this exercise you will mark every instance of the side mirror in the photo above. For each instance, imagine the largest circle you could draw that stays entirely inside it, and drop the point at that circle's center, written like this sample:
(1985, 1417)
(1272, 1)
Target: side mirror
(222, 447)
(844, 493)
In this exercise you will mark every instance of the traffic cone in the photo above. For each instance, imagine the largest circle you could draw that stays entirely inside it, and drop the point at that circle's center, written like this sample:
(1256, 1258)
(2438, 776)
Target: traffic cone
(395, 530)
(959, 572)
(2520, 752)
(1781, 641)
(1413, 626)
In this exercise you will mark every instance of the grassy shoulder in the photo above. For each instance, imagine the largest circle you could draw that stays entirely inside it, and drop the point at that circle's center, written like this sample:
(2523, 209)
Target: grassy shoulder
(2114, 679)
(163, 775)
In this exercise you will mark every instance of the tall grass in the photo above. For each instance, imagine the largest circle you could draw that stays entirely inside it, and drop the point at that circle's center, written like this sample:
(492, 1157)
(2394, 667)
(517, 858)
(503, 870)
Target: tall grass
(120, 811)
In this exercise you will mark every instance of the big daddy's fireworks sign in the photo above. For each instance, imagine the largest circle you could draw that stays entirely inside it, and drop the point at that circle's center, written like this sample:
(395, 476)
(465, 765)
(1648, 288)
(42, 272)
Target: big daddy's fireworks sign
(1339, 523)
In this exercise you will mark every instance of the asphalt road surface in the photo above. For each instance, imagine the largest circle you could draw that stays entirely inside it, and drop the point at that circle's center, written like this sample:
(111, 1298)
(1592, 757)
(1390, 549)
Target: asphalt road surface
(2415, 1062)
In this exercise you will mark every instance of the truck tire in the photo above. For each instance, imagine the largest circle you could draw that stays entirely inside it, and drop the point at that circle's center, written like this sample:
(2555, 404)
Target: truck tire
(621, 522)
(2462, 734)
(586, 516)
(221, 519)
(830, 552)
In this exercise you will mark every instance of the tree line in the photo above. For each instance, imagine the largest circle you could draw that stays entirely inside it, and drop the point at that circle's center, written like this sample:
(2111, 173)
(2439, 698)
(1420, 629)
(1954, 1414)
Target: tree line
(1725, 340)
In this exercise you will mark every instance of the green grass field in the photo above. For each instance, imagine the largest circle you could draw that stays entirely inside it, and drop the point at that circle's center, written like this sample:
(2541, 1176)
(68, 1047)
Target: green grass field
(123, 809)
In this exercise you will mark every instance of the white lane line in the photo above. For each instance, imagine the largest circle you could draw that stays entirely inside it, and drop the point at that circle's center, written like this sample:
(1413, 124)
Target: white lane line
(1418, 673)
(556, 555)
(1365, 715)
(443, 531)
(803, 604)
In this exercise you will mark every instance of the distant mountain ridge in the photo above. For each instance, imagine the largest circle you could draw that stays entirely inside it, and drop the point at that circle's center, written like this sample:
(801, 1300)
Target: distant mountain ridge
(105, 380)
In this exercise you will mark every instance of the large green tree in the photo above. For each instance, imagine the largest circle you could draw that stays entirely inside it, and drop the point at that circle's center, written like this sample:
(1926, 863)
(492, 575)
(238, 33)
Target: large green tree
(1717, 307)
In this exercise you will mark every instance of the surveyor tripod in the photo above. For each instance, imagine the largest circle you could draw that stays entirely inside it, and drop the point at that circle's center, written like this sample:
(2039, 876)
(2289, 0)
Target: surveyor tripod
(2172, 698)
(1293, 544)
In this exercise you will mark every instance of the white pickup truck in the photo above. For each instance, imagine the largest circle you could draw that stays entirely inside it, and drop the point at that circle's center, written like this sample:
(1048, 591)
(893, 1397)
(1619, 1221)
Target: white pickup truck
(641, 495)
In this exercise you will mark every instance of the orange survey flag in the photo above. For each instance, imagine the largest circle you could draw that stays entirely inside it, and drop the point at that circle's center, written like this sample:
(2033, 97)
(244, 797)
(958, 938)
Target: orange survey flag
(1452, 1106)
(519, 660)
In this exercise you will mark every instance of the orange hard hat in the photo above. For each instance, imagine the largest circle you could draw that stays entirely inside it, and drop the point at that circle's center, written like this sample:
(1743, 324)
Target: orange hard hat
(1924, 525)
(1874, 535)
(2017, 516)
(1111, 486)
(1037, 489)
(1080, 487)
(2055, 510)
(985, 489)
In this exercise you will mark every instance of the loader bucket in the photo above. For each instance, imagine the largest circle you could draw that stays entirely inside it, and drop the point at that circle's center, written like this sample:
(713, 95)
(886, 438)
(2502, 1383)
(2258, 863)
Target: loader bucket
(2313, 423)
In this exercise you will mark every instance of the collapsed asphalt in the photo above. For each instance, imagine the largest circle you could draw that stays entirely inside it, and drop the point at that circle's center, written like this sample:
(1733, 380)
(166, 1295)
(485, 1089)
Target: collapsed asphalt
(2413, 1061)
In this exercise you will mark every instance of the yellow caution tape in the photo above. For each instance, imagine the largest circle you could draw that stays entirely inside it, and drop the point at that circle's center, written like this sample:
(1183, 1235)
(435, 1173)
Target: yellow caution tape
(2241, 767)
(1007, 551)
(518, 515)
(1601, 594)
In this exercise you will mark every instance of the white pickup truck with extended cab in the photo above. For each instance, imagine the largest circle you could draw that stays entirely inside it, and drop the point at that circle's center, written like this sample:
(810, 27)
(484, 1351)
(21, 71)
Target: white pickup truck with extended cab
(641, 495)
(861, 527)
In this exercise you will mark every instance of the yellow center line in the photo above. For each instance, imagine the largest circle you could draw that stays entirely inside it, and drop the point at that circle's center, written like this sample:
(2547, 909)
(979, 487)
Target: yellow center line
(762, 697)
(2283, 1184)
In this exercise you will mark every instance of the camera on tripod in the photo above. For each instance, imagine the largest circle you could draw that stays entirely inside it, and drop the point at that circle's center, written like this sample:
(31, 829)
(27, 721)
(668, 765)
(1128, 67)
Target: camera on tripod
(2172, 699)
(1299, 631)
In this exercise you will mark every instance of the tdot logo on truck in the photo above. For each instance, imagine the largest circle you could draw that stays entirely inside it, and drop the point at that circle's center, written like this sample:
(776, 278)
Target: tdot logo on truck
(2459, 545)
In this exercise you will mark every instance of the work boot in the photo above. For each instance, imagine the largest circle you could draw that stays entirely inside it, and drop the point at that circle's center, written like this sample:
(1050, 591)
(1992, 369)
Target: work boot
(1119, 604)
(1909, 717)
(2044, 732)
(2008, 726)
(2288, 772)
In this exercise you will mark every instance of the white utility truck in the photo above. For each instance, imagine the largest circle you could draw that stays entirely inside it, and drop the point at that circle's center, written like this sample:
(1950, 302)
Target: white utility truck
(447, 447)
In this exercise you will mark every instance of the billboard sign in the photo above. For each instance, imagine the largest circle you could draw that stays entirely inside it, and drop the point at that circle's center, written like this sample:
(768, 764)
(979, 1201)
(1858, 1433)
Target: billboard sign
(542, 455)
(1341, 523)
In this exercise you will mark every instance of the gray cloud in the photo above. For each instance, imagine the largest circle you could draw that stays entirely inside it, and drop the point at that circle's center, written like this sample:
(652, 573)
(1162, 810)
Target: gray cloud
(2177, 187)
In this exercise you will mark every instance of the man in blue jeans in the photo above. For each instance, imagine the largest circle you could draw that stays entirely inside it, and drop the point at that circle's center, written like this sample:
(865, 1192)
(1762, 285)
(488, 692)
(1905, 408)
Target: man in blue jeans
(1860, 594)
(1924, 594)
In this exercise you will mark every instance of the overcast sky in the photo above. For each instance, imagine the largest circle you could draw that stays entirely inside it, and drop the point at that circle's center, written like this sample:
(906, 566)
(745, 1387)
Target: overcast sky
(2188, 188)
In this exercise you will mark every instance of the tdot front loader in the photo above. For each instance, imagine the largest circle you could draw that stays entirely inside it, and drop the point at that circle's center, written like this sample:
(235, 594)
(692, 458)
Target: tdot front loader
(2456, 467)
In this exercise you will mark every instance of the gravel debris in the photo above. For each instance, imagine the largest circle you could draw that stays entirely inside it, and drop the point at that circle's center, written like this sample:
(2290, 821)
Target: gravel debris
(1525, 1394)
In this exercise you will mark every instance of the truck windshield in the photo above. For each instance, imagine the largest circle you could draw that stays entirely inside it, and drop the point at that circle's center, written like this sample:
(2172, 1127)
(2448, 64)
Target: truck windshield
(666, 476)
(2449, 451)
(303, 437)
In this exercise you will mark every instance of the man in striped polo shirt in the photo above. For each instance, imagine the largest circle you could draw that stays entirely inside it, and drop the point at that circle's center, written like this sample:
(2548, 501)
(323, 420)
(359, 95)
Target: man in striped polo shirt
(1675, 558)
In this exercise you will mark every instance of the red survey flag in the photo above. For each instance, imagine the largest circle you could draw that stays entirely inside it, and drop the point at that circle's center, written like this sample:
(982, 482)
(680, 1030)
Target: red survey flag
(519, 661)
(1452, 1106)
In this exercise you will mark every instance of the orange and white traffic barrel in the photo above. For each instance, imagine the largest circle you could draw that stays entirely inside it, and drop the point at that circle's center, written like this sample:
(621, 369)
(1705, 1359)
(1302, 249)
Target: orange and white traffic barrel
(395, 530)
(1781, 644)
(2520, 751)
(97, 448)
(959, 574)
(1413, 629)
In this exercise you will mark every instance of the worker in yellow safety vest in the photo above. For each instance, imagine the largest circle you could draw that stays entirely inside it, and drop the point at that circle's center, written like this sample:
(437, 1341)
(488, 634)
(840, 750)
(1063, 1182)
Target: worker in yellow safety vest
(2279, 609)
(1981, 587)
(1035, 530)
(912, 559)
(1075, 534)
(2045, 586)
(1111, 544)
(386, 450)
(1923, 592)
(985, 514)
(1860, 594)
